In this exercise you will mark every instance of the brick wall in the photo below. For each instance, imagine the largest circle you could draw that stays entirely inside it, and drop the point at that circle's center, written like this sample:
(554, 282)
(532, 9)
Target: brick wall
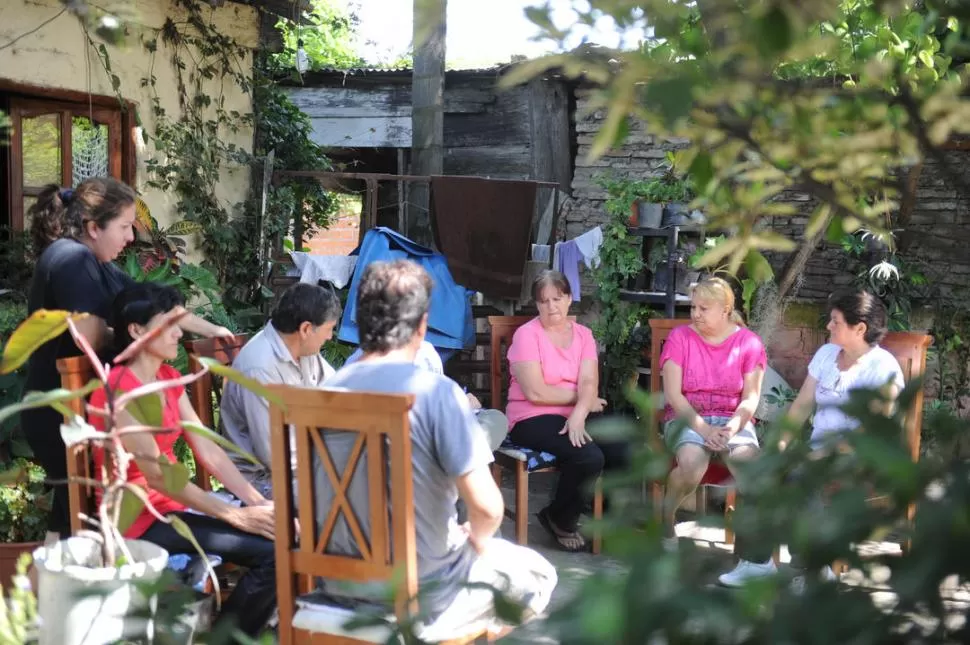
(343, 235)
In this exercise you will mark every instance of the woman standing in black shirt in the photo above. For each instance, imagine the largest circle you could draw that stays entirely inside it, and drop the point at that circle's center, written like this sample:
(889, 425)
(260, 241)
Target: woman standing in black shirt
(77, 233)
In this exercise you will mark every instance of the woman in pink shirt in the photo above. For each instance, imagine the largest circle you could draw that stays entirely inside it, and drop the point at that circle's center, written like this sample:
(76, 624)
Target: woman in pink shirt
(712, 373)
(553, 388)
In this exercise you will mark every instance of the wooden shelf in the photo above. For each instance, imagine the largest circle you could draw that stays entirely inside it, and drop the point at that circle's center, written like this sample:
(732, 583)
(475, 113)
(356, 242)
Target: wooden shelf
(639, 231)
(654, 297)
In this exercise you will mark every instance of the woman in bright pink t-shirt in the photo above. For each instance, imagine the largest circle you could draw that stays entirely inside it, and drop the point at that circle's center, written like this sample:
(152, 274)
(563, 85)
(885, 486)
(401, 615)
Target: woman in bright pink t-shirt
(712, 373)
(554, 383)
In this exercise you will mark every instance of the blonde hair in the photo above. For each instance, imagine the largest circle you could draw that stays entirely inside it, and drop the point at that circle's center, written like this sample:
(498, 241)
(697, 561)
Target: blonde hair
(719, 291)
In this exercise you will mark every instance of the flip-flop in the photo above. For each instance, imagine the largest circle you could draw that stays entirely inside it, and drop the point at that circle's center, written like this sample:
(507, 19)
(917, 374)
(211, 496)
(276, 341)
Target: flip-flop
(559, 535)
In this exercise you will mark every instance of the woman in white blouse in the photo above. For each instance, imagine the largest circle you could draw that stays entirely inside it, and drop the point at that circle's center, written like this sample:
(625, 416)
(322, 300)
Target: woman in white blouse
(851, 360)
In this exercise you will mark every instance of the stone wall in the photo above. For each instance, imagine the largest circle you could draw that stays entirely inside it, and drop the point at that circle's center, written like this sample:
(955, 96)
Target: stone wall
(937, 234)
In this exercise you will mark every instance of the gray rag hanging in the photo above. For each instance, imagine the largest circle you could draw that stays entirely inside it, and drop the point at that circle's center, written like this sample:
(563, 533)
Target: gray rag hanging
(484, 229)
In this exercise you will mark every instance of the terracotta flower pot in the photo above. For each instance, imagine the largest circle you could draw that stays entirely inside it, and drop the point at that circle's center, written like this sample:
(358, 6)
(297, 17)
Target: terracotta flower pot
(9, 554)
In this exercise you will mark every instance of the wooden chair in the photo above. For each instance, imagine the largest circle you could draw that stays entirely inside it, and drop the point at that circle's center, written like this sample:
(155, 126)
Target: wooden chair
(388, 550)
(77, 372)
(206, 392)
(717, 473)
(909, 348)
(503, 328)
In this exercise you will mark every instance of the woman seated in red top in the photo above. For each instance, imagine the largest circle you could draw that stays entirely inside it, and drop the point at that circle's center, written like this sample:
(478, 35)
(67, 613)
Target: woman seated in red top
(240, 535)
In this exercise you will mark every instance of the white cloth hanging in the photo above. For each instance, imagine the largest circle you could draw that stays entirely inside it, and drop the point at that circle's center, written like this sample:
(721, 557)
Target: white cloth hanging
(589, 246)
(336, 269)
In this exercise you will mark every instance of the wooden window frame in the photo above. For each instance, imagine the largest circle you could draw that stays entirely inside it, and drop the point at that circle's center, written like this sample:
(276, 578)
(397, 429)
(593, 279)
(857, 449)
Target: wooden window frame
(26, 101)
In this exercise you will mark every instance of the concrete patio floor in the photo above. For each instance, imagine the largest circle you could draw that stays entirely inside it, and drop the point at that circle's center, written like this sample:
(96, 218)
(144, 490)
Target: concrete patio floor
(574, 567)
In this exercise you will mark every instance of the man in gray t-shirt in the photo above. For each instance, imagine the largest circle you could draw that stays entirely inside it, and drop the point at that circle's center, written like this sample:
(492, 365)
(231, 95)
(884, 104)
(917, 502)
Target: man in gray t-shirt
(450, 459)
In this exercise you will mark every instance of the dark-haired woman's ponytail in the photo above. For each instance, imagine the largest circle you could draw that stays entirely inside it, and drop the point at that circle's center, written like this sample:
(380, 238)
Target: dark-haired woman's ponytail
(47, 217)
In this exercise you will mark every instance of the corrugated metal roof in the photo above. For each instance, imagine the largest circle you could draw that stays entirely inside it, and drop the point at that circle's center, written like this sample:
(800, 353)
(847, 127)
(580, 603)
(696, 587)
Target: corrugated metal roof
(403, 70)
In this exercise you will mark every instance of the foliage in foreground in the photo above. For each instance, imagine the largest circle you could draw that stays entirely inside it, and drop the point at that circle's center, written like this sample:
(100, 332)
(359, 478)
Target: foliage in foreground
(670, 596)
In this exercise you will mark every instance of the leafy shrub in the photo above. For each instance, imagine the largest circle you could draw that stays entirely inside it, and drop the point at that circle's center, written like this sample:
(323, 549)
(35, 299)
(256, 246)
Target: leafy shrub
(25, 506)
(667, 597)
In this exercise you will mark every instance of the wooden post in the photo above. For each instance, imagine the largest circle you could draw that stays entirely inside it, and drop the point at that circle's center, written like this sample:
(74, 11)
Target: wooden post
(427, 110)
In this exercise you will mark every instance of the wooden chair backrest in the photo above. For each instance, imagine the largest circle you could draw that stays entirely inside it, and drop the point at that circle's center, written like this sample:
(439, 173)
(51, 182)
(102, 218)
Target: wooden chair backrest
(76, 372)
(201, 391)
(660, 328)
(909, 349)
(382, 441)
(503, 328)
(206, 392)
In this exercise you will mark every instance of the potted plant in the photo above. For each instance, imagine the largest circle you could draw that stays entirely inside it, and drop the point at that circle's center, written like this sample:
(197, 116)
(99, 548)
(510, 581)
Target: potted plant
(646, 209)
(24, 505)
(91, 586)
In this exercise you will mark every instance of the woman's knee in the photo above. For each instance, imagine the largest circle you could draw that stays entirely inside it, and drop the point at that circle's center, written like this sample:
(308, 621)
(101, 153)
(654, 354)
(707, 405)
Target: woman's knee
(692, 463)
(589, 458)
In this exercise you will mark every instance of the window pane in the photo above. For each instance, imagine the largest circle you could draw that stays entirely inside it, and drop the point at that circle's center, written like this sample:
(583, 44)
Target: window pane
(28, 202)
(89, 149)
(42, 150)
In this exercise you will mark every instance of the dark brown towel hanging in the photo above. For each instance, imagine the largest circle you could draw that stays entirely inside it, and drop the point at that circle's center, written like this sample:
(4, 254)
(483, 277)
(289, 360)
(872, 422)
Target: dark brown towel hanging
(484, 228)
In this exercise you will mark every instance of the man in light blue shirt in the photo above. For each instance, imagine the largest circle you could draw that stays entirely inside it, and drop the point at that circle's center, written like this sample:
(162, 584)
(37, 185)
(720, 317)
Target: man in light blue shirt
(286, 351)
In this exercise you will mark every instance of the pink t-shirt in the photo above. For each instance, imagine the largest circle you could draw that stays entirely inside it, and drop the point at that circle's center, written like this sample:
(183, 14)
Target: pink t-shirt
(560, 367)
(713, 374)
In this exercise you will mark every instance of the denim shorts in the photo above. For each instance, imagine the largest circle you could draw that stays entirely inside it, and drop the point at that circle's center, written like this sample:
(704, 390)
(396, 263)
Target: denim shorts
(675, 439)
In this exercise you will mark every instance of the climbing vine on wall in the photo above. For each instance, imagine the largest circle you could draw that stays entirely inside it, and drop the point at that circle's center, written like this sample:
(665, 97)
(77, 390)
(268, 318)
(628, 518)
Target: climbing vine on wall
(194, 148)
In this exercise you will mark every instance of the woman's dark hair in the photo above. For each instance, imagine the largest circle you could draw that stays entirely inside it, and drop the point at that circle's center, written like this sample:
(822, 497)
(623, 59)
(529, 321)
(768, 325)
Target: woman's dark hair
(63, 212)
(550, 278)
(858, 306)
(138, 304)
(302, 303)
(391, 300)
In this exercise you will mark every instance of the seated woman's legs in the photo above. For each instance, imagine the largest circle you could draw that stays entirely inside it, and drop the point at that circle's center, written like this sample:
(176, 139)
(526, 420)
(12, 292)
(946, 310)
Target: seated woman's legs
(692, 462)
(578, 466)
(253, 600)
(746, 546)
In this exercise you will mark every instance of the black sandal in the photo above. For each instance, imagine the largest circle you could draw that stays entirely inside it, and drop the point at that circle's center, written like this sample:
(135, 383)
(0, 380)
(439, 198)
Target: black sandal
(563, 539)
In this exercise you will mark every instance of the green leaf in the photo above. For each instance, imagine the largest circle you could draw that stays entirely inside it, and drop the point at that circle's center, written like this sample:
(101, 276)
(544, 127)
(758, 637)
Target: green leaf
(131, 507)
(834, 232)
(926, 58)
(236, 377)
(146, 409)
(702, 171)
(758, 268)
(78, 431)
(671, 97)
(175, 475)
(184, 227)
(41, 326)
(183, 529)
(54, 399)
(774, 31)
(202, 431)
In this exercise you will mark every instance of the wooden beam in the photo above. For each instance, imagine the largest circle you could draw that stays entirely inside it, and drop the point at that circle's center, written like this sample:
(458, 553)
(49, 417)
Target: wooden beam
(427, 114)
(72, 96)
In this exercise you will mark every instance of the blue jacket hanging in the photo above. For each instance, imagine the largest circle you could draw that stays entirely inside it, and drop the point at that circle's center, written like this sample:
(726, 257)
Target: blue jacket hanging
(450, 322)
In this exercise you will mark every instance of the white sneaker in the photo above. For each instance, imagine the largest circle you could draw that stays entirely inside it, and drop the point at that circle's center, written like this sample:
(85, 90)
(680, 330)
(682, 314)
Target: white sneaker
(747, 571)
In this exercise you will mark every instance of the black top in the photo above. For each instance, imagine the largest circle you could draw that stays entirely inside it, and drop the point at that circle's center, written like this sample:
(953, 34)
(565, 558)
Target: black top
(68, 276)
